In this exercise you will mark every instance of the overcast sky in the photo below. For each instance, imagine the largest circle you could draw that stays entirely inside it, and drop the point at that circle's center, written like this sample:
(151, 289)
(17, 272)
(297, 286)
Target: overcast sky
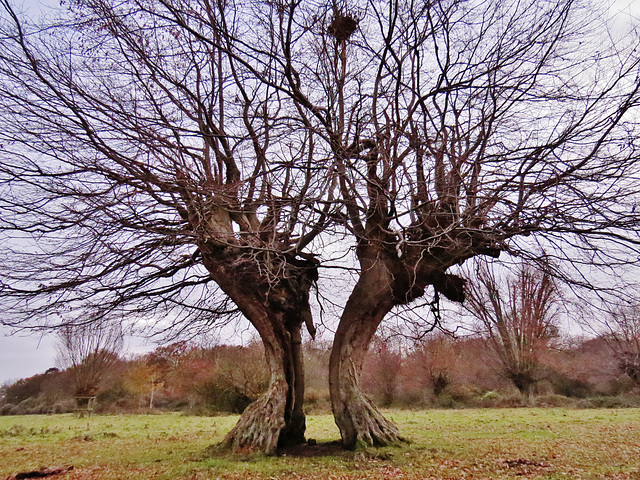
(23, 356)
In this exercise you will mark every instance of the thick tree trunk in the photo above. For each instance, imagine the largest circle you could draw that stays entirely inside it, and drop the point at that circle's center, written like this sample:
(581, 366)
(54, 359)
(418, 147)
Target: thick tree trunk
(276, 419)
(359, 421)
(277, 311)
(295, 422)
(525, 383)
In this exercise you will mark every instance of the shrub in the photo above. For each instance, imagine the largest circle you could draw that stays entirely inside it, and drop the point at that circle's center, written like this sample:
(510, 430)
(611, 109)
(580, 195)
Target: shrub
(112, 394)
(28, 406)
(553, 400)
(317, 400)
(64, 406)
(224, 398)
(609, 402)
(616, 386)
(464, 393)
(570, 387)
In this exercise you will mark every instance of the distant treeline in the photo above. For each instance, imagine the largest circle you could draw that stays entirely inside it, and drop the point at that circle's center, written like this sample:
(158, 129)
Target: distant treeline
(439, 371)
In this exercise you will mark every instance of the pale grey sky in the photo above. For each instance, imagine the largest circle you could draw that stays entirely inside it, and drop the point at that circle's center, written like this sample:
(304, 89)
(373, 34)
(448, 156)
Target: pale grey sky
(23, 356)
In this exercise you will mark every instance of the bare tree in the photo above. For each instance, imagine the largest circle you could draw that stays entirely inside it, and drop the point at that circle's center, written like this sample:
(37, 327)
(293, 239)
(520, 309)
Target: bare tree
(519, 316)
(383, 369)
(624, 338)
(465, 128)
(90, 350)
(142, 161)
(434, 358)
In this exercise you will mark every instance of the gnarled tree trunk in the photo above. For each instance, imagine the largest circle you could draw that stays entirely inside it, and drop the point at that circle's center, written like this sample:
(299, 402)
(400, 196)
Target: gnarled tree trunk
(276, 418)
(359, 421)
(277, 310)
(385, 281)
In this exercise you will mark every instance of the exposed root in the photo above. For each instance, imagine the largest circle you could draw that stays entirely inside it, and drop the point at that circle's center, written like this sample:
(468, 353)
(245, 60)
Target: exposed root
(371, 427)
(260, 425)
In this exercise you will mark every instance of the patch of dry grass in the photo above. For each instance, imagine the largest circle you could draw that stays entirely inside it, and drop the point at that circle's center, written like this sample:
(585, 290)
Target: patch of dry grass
(444, 444)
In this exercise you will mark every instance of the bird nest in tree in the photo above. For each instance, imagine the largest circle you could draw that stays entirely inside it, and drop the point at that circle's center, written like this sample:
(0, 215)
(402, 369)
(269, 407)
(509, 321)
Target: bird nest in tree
(343, 25)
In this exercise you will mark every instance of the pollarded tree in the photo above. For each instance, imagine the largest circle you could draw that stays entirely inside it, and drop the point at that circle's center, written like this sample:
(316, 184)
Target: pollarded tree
(431, 131)
(456, 128)
(624, 339)
(459, 128)
(518, 314)
(90, 350)
(141, 161)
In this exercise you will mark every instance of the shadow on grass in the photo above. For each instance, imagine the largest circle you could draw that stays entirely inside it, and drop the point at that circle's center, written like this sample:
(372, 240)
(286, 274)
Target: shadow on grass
(306, 450)
(313, 449)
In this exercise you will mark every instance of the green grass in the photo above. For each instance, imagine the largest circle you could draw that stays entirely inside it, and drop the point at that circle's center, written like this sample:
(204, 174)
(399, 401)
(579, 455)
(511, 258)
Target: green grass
(499, 443)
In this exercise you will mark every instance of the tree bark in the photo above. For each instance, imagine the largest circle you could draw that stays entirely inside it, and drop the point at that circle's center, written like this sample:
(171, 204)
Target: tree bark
(359, 421)
(524, 382)
(277, 312)
(295, 425)
(276, 418)
(385, 281)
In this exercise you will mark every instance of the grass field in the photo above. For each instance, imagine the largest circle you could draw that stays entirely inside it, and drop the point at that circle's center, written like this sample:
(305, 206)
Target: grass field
(498, 443)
